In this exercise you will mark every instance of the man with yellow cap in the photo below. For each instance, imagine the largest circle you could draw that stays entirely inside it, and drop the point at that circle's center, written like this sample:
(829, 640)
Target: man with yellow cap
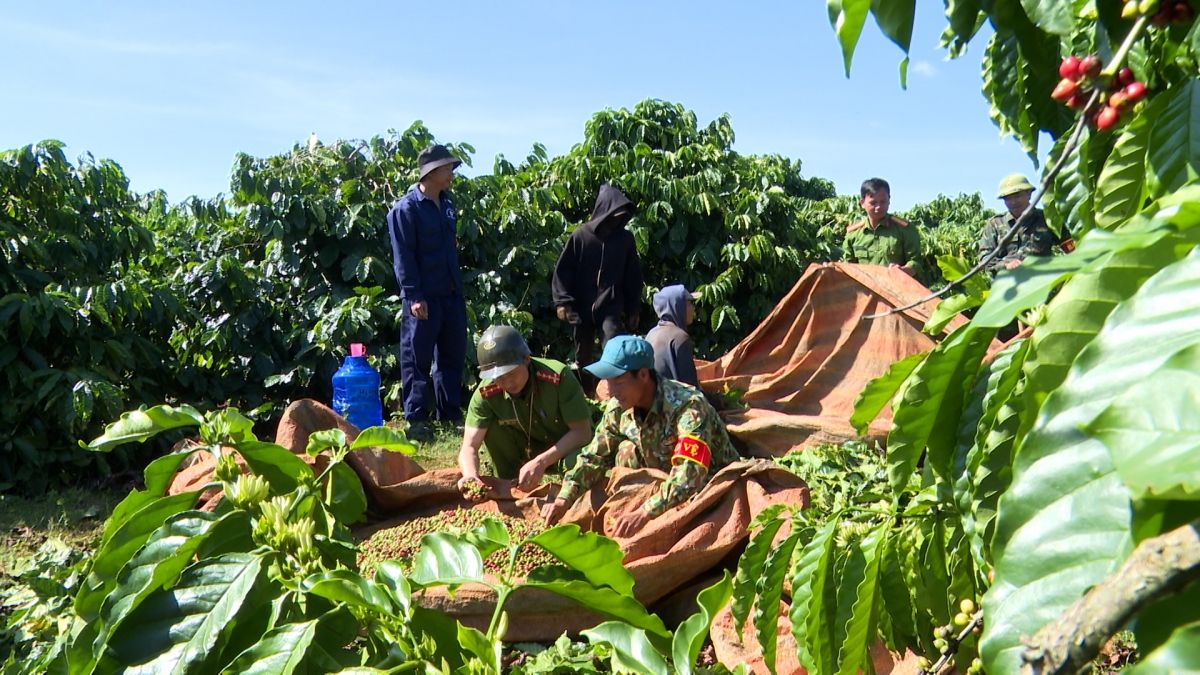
(1035, 237)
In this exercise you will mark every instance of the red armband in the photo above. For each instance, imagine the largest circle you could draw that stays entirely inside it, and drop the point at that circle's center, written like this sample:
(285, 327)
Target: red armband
(1067, 246)
(694, 449)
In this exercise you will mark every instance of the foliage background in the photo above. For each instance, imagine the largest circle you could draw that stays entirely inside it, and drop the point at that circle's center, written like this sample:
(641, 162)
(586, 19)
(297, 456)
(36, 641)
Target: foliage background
(110, 300)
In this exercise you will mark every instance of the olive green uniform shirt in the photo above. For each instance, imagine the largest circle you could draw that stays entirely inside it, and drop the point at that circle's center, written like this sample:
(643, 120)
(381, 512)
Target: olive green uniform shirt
(894, 241)
(1035, 238)
(681, 434)
(522, 427)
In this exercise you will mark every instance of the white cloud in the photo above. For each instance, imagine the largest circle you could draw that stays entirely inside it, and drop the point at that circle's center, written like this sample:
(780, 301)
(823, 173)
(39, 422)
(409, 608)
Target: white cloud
(923, 68)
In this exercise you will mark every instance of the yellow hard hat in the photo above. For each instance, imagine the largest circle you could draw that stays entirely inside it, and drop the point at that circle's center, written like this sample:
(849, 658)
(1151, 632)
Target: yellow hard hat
(1012, 184)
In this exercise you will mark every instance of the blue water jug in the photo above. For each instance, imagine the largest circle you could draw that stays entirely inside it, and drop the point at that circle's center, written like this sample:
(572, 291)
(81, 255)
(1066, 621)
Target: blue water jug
(356, 390)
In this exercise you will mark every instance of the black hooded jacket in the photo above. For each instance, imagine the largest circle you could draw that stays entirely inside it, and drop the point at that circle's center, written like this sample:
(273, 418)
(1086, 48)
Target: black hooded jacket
(598, 274)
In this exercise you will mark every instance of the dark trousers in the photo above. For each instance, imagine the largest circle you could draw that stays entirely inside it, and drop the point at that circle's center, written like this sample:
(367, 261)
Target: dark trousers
(585, 347)
(441, 342)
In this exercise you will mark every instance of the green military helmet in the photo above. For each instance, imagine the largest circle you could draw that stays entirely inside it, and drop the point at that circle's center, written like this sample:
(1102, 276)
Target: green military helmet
(1012, 184)
(501, 350)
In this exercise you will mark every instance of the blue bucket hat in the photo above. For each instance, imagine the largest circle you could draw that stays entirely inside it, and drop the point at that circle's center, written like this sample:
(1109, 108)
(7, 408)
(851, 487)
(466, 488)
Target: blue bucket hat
(621, 355)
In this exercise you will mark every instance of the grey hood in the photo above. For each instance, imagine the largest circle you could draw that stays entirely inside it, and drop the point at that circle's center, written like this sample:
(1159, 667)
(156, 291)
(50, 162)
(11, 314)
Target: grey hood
(670, 304)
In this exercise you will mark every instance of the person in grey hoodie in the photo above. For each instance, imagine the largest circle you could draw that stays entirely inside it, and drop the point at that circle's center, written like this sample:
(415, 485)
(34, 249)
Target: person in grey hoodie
(673, 359)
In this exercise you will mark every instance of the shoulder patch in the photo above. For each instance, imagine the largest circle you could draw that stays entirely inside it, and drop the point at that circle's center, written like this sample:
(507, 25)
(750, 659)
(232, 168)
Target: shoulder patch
(490, 390)
(548, 376)
(856, 225)
(900, 221)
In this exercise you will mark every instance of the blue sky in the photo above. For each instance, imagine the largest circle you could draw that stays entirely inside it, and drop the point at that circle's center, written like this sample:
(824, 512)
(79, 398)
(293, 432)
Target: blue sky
(171, 91)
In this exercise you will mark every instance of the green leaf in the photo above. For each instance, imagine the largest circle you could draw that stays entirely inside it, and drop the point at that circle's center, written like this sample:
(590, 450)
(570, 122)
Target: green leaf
(169, 550)
(1121, 189)
(879, 391)
(812, 622)
(1064, 524)
(847, 18)
(599, 599)
(749, 571)
(964, 19)
(1180, 655)
(599, 558)
(475, 642)
(324, 440)
(1152, 433)
(982, 464)
(689, 637)
(949, 308)
(176, 630)
(930, 403)
(1173, 154)
(1052, 16)
(1080, 308)
(280, 652)
(350, 588)
(770, 592)
(897, 599)
(1069, 199)
(383, 437)
(446, 560)
(1003, 79)
(158, 476)
(444, 632)
(489, 537)
(854, 654)
(632, 651)
(119, 549)
(895, 19)
(275, 463)
(390, 575)
(139, 425)
(347, 500)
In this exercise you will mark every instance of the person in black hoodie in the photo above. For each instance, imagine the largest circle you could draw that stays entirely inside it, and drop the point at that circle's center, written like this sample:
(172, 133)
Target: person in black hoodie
(598, 280)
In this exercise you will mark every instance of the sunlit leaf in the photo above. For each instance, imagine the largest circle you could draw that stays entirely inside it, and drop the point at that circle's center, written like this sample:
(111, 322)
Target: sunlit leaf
(879, 391)
(1064, 524)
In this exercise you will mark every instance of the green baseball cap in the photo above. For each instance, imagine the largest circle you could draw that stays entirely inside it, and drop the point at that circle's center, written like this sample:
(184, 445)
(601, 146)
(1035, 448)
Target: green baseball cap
(1012, 184)
(621, 355)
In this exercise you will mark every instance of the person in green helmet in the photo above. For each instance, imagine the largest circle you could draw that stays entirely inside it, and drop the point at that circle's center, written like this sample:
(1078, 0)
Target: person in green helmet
(528, 413)
(1035, 238)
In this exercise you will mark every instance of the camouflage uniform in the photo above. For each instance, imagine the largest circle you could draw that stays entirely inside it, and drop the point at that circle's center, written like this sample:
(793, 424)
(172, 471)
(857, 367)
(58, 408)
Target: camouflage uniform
(681, 434)
(553, 397)
(1035, 238)
(894, 241)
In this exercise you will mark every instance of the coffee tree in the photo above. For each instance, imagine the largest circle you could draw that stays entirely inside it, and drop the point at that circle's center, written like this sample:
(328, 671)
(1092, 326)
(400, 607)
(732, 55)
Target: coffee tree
(1056, 479)
(84, 327)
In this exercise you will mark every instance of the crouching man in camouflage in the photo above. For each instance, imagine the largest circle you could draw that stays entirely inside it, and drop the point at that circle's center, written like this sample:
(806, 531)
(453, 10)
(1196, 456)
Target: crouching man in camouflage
(649, 422)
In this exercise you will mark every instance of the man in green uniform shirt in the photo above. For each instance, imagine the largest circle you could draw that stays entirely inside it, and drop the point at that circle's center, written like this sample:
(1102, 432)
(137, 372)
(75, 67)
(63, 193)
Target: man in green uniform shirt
(881, 238)
(649, 422)
(529, 413)
(1035, 237)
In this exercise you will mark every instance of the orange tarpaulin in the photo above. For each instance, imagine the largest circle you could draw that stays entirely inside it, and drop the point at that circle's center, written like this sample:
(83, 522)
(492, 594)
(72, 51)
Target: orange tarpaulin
(810, 358)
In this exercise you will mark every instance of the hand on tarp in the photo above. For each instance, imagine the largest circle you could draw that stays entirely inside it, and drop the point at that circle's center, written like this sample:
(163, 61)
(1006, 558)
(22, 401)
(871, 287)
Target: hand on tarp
(629, 523)
(554, 510)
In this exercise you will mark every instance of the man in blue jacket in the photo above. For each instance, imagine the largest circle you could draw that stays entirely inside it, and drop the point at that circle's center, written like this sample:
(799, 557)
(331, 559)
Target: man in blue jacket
(433, 324)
